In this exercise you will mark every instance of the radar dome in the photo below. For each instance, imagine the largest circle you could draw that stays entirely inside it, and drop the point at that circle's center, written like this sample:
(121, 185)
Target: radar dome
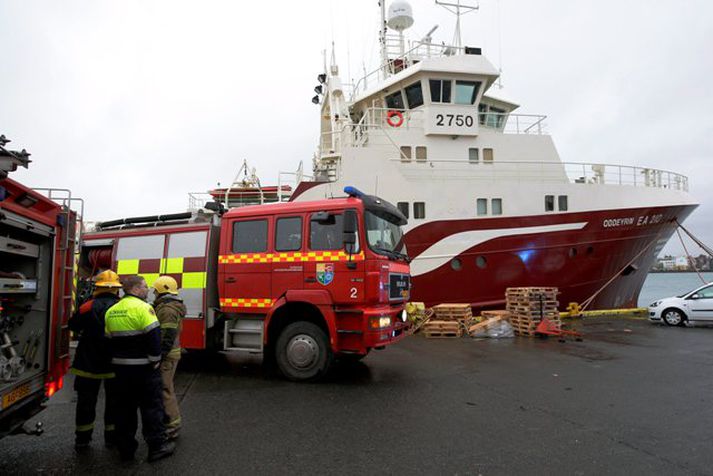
(400, 16)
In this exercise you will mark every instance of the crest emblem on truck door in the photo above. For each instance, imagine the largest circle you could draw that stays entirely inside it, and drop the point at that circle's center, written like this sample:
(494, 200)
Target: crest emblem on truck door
(325, 273)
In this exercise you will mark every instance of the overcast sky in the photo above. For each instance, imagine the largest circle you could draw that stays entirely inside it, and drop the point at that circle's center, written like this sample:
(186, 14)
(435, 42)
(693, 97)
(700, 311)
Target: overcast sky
(133, 104)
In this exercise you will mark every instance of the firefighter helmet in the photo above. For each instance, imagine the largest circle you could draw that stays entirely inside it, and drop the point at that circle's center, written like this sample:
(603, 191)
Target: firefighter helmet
(107, 279)
(165, 284)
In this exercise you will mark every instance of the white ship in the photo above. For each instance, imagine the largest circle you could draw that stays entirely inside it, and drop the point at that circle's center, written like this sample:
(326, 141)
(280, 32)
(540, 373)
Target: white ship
(490, 203)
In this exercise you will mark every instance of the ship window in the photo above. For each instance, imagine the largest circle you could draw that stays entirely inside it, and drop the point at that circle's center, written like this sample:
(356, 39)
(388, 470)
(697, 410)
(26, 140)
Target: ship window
(395, 101)
(405, 153)
(481, 262)
(440, 90)
(414, 95)
(482, 206)
(326, 235)
(403, 208)
(456, 264)
(562, 203)
(482, 109)
(288, 234)
(419, 210)
(466, 92)
(496, 117)
(488, 156)
(250, 236)
(473, 155)
(421, 153)
(549, 203)
(497, 206)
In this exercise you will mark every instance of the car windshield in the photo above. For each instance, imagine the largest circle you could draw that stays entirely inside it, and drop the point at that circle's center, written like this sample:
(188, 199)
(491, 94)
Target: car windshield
(384, 236)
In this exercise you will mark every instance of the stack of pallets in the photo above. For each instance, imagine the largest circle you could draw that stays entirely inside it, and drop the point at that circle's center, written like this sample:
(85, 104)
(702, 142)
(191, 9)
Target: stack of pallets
(448, 320)
(527, 307)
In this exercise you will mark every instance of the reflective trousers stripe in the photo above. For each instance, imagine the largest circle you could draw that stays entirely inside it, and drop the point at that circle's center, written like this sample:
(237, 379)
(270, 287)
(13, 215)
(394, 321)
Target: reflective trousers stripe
(140, 361)
(88, 427)
(82, 373)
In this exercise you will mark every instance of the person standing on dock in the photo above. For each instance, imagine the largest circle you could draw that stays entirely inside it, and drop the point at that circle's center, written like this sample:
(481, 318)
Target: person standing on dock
(170, 312)
(92, 361)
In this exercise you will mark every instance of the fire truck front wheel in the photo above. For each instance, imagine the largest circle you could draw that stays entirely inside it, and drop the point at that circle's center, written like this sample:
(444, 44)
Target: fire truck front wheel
(302, 352)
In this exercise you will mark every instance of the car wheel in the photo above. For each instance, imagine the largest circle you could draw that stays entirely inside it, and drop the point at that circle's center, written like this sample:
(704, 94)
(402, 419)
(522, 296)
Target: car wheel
(673, 317)
(303, 352)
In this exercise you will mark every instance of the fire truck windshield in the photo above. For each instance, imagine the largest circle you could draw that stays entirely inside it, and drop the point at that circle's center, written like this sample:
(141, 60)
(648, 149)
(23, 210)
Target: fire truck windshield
(384, 236)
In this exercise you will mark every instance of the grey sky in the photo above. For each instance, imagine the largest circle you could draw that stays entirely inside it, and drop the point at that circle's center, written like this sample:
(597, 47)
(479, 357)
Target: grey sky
(132, 104)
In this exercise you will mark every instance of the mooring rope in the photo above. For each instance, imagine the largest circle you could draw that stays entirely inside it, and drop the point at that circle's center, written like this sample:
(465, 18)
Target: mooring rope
(698, 242)
(690, 258)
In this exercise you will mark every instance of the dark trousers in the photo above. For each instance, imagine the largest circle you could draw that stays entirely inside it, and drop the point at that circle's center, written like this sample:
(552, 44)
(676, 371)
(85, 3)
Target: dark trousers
(87, 395)
(139, 388)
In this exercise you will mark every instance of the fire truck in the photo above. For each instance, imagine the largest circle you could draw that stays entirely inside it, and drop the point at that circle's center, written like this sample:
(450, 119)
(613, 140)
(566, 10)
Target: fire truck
(300, 282)
(38, 233)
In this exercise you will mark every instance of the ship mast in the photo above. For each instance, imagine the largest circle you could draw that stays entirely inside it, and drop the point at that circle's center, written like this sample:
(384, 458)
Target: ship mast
(456, 8)
(382, 38)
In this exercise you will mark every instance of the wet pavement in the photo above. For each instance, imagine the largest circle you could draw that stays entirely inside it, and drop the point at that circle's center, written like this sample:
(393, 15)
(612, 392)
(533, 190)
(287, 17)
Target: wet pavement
(632, 398)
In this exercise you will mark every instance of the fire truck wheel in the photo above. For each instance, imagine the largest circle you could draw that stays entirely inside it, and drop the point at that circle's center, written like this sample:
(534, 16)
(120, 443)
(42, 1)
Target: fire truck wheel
(303, 352)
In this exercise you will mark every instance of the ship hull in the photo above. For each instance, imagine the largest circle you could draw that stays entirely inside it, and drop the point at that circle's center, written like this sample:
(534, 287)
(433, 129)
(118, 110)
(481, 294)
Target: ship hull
(601, 254)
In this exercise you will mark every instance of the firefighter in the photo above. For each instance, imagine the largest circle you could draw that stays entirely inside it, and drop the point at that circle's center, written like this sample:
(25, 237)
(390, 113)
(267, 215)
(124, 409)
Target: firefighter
(135, 335)
(92, 361)
(170, 311)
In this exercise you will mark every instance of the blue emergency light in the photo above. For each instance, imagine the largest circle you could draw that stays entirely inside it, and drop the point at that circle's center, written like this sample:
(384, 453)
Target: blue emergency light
(353, 192)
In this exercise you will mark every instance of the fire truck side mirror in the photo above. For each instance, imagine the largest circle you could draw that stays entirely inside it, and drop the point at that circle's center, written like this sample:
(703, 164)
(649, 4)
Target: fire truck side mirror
(350, 227)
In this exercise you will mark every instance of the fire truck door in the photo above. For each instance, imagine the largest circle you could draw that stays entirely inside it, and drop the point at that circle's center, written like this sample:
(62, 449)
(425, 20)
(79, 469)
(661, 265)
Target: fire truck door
(287, 265)
(247, 270)
(327, 266)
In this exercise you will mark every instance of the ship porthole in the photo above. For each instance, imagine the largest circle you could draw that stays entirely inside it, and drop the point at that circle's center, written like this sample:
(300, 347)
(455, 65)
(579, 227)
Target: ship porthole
(572, 252)
(456, 264)
(481, 262)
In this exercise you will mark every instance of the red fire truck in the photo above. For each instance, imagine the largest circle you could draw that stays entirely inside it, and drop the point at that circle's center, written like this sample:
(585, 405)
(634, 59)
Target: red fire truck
(37, 243)
(301, 283)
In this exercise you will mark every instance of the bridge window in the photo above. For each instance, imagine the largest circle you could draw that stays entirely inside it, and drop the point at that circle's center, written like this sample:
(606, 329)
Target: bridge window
(497, 206)
(491, 116)
(549, 203)
(403, 208)
(473, 155)
(466, 92)
(440, 90)
(488, 156)
(414, 95)
(395, 101)
(482, 204)
(562, 203)
(250, 236)
(288, 234)
(419, 210)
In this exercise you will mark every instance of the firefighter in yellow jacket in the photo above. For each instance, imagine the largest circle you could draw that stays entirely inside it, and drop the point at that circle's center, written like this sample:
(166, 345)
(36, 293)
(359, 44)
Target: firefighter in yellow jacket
(170, 311)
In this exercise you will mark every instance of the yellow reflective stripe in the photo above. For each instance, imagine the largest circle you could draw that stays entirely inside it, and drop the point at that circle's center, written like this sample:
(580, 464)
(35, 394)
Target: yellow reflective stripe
(175, 352)
(247, 302)
(169, 325)
(82, 373)
(127, 266)
(193, 280)
(173, 266)
(175, 422)
(316, 256)
(150, 278)
(109, 427)
(88, 427)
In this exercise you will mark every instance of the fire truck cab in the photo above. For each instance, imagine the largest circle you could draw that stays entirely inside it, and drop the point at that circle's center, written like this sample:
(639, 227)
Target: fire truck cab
(300, 282)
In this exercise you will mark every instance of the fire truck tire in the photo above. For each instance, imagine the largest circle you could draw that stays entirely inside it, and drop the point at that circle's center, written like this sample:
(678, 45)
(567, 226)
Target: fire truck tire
(303, 352)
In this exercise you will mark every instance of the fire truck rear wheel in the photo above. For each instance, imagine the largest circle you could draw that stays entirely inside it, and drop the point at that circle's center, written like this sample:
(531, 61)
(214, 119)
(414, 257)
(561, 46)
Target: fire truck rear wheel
(303, 352)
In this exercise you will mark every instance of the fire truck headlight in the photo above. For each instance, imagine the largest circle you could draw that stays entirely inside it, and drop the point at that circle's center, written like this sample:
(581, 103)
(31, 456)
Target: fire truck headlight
(404, 315)
(380, 322)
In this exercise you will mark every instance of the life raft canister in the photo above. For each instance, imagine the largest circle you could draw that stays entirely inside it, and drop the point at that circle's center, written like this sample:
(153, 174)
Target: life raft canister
(394, 118)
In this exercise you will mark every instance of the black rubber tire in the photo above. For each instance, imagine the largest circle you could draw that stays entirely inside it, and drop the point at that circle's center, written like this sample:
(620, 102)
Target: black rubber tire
(681, 323)
(321, 364)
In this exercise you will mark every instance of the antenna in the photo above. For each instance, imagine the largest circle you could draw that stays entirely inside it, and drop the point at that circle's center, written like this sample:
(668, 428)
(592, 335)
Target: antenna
(456, 8)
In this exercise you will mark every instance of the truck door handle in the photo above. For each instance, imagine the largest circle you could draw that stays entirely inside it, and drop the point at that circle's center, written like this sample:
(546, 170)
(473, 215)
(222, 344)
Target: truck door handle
(310, 280)
(230, 279)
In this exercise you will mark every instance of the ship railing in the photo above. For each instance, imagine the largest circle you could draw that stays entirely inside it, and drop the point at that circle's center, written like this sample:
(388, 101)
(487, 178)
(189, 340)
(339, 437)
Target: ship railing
(551, 171)
(287, 182)
(198, 200)
(414, 51)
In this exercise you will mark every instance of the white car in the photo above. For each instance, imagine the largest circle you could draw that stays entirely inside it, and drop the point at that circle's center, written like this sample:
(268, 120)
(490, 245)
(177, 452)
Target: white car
(696, 305)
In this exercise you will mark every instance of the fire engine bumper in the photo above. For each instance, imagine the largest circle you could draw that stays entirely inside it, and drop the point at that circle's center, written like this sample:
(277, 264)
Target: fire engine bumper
(378, 333)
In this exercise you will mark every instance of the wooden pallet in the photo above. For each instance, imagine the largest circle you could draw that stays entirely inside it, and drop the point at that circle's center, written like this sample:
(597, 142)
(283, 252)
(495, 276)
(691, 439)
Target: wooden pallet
(504, 314)
(440, 329)
(525, 326)
(452, 312)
